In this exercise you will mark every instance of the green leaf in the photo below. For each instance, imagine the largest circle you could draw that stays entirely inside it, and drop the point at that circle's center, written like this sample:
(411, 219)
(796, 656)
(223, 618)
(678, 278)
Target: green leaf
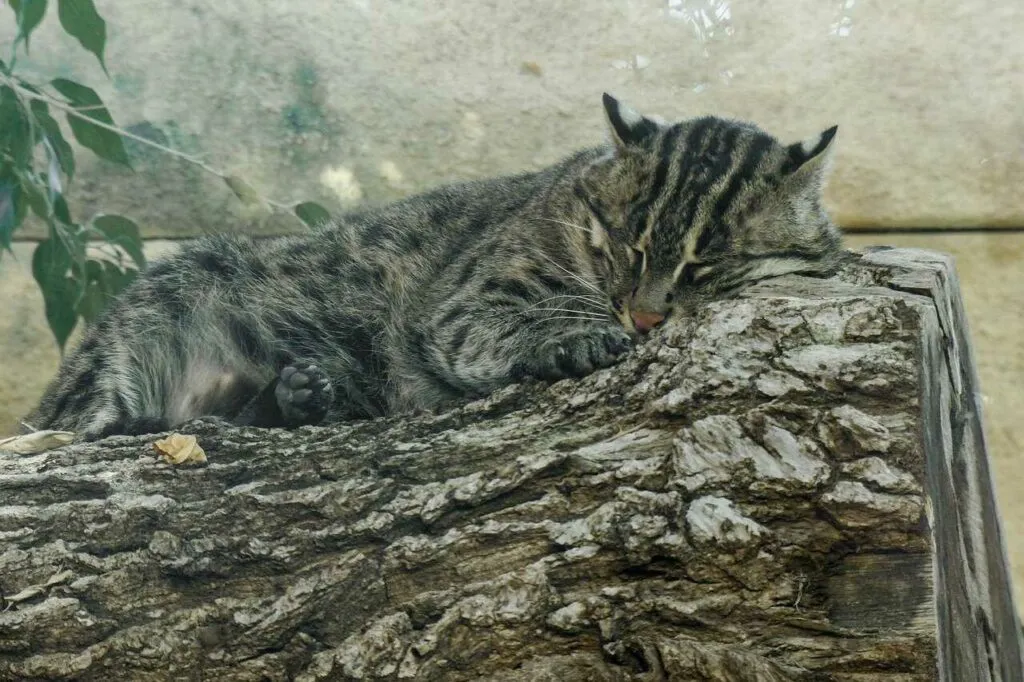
(94, 291)
(102, 281)
(50, 263)
(104, 142)
(81, 21)
(29, 13)
(20, 206)
(34, 190)
(312, 213)
(9, 200)
(243, 190)
(92, 302)
(60, 146)
(15, 130)
(9, 222)
(61, 210)
(117, 279)
(121, 232)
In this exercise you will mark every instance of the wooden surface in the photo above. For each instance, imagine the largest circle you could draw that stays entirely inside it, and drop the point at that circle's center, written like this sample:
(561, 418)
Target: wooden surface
(790, 486)
(971, 566)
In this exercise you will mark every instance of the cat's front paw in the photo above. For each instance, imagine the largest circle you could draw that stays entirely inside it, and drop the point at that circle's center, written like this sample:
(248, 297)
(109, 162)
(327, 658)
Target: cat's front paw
(579, 352)
(304, 394)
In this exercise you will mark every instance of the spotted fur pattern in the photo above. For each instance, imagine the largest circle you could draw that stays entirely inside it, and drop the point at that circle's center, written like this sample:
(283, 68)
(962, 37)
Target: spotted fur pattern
(454, 293)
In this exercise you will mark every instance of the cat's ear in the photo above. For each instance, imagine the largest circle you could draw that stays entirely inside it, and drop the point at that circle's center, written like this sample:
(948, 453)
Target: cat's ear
(629, 128)
(812, 158)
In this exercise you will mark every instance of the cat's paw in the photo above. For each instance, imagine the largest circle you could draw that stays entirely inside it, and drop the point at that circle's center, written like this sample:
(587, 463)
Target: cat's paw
(579, 352)
(304, 394)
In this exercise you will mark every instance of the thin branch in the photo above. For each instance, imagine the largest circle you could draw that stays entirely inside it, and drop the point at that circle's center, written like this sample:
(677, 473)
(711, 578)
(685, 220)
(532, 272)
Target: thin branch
(77, 113)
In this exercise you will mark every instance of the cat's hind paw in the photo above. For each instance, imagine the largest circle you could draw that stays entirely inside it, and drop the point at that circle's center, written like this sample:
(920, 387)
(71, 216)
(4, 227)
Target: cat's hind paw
(304, 394)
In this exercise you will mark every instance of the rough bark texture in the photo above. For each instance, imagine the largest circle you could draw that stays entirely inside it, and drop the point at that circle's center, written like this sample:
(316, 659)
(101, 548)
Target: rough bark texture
(790, 486)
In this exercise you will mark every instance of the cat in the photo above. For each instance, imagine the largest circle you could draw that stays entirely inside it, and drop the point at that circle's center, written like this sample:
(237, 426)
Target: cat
(456, 292)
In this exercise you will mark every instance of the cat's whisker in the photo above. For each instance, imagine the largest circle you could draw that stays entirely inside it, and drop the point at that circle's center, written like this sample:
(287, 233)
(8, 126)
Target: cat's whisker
(589, 297)
(562, 310)
(591, 302)
(581, 228)
(582, 311)
(589, 285)
(575, 297)
(569, 317)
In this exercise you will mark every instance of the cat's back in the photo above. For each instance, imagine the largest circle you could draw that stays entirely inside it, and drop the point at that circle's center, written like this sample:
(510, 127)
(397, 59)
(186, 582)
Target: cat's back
(436, 224)
(371, 257)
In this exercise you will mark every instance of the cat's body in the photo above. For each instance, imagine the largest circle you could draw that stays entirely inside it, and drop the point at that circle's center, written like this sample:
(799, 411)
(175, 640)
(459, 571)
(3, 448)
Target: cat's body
(453, 293)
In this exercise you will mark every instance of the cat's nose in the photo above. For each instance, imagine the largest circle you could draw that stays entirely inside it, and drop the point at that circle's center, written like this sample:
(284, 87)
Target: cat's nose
(645, 322)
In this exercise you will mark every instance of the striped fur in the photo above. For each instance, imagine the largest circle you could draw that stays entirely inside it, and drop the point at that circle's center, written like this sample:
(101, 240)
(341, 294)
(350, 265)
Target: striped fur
(454, 293)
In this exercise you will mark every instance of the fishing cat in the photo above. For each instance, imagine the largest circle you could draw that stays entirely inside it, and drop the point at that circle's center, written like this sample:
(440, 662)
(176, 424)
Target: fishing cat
(456, 292)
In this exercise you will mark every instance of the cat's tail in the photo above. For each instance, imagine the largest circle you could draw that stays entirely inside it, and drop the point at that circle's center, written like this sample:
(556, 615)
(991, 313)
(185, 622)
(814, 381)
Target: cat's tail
(77, 400)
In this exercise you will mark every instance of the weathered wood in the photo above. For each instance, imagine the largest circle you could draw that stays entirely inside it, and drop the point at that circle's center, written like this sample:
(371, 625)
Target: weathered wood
(791, 485)
(971, 566)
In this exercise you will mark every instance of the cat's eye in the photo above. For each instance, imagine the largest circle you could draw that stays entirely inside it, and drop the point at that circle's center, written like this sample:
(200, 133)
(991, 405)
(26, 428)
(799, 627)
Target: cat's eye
(692, 273)
(701, 271)
(639, 262)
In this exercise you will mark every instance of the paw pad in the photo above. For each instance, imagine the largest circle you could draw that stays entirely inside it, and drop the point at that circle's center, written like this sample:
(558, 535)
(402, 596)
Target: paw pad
(304, 394)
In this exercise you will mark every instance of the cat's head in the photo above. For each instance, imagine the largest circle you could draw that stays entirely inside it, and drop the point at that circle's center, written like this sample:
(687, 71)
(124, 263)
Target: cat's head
(684, 212)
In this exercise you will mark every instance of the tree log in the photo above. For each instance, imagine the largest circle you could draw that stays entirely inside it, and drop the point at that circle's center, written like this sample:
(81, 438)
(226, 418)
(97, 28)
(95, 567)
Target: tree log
(789, 485)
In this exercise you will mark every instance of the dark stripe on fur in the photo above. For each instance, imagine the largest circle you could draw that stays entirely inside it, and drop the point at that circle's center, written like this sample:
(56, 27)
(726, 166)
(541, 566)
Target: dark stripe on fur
(666, 148)
(758, 148)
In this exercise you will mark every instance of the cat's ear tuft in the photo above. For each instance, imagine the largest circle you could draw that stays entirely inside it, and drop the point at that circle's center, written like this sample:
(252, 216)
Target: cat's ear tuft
(812, 156)
(629, 128)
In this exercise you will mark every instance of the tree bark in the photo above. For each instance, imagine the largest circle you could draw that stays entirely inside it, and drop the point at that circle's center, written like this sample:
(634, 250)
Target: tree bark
(790, 485)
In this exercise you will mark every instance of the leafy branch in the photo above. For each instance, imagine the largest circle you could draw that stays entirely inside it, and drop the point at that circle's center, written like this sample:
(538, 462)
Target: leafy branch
(79, 267)
(237, 185)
